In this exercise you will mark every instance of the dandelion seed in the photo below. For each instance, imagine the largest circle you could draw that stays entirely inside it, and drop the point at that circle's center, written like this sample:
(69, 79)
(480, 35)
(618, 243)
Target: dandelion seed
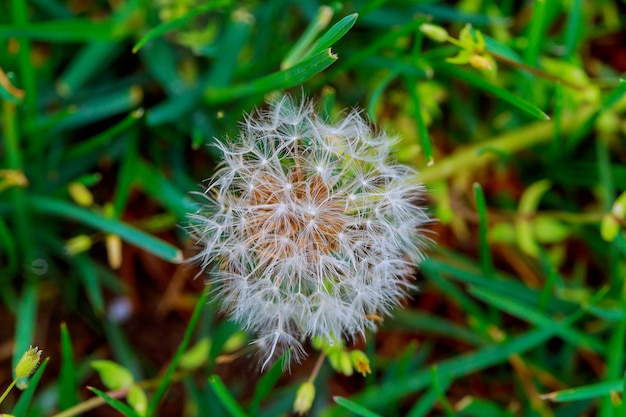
(309, 229)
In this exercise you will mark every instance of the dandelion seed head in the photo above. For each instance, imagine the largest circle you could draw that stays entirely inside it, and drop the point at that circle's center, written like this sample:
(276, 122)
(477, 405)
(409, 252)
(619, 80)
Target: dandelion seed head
(309, 229)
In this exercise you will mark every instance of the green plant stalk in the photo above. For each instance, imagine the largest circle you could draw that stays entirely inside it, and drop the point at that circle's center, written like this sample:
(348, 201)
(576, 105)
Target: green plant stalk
(19, 14)
(169, 372)
(472, 157)
(23, 232)
(6, 391)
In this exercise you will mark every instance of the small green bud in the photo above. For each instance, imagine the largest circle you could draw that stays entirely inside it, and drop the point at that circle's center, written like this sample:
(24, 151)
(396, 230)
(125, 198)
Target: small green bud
(361, 362)
(113, 375)
(137, 399)
(235, 342)
(304, 398)
(334, 358)
(197, 355)
(78, 244)
(345, 364)
(436, 33)
(28, 363)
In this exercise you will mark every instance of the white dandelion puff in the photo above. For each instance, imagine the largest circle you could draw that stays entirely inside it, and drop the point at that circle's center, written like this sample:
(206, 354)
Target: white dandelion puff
(309, 229)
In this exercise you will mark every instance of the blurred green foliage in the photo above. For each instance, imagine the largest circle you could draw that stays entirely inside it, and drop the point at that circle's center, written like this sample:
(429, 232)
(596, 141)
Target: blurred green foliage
(106, 110)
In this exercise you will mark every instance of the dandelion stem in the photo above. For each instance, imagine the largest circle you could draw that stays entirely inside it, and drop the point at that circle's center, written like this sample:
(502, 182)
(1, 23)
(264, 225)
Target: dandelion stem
(318, 366)
(6, 392)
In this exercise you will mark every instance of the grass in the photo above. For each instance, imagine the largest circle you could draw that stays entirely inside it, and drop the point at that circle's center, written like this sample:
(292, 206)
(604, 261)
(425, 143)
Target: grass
(107, 108)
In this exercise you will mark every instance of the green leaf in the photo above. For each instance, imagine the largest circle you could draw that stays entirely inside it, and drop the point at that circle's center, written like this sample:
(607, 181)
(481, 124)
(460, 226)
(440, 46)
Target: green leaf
(486, 259)
(280, 80)
(383, 395)
(333, 34)
(68, 376)
(90, 61)
(88, 275)
(585, 392)
(72, 30)
(26, 318)
(354, 407)
(128, 233)
(297, 51)
(476, 81)
(166, 379)
(532, 315)
(116, 404)
(265, 384)
(225, 397)
(113, 375)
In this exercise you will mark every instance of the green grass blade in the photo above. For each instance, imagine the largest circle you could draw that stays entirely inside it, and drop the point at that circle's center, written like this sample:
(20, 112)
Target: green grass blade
(412, 85)
(297, 51)
(532, 315)
(72, 30)
(68, 376)
(55, 207)
(179, 22)
(370, 50)
(431, 324)
(354, 407)
(486, 260)
(380, 89)
(428, 400)
(162, 190)
(166, 379)
(102, 107)
(234, 39)
(97, 143)
(585, 392)
(502, 94)
(225, 397)
(573, 27)
(265, 385)
(26, 320)
(87, 64)
(280, 80)
(336, 32)
(536, 35)
(116, 404)
(383, 395)
(88, 275)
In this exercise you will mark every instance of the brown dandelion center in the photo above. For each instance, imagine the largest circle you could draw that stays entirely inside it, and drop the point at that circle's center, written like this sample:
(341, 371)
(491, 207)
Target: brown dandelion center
(300, 215)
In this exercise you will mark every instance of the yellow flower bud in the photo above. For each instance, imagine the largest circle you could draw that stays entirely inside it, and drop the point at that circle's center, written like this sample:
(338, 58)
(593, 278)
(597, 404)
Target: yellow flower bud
(480, 62)
(28, 363)
(78, 244)
(304, 398)
(80, 194)
(361, 362)
(436, 33)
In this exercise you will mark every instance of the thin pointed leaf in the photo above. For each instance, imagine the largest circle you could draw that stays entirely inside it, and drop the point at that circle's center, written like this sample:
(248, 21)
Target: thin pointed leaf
(225, 397)
(116, 404)
(500, 93)
(354, 407)
(128, 233)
